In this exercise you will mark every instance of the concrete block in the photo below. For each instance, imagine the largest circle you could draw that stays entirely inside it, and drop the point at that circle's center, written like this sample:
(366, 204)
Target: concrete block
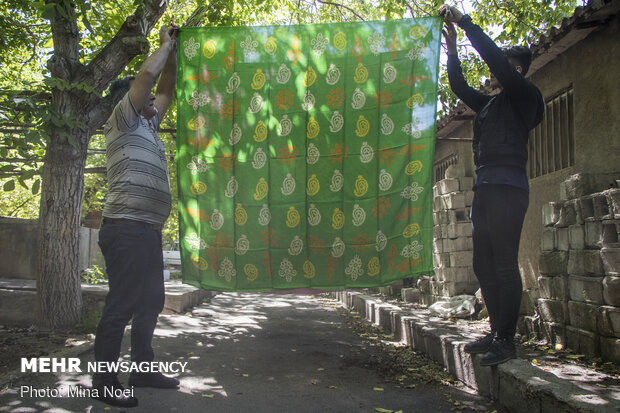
(553, 333)
(580, 185)
(458, 244)
(454, 200)
(532, 327)
(448, 185)
(578, 212)
(437, 246)
(451, 289)
(410, 295)
(424, 285)
(587, 207)
(576, 262)
(610, 348)
(553, 262)
(576, 237)
(461, 258)
(553, 288)
(601, 206)
(610, 229)
(528, 302)
(586, 289)
(467, 183)
(583, 315)
(459, 215)
(552, 310)
(441, 260)
(459, 230)
(582, 341)
(437, 205)
(469, 198)
(455, 171)
(608, 321)
(611, 261)
(568, 216)
(593, 263)
(561, 239)
(614, 201)
(550, 213)
(593, 234)
(611, 290)
(547, 242)
(440, 217)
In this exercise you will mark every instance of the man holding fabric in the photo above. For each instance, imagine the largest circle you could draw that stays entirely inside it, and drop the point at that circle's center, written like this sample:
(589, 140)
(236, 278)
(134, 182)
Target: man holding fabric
(501, 132)
(137, 206)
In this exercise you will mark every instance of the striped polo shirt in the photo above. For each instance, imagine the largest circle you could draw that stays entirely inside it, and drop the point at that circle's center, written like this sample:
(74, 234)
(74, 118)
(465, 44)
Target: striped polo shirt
(138, 181)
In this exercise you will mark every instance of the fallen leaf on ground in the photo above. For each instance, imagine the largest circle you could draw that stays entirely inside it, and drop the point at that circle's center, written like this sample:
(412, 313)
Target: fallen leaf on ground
(377, 388)
(210, 396)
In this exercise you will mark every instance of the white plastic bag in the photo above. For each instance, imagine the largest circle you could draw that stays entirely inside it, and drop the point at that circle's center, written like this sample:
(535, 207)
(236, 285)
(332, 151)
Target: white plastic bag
(461, 306)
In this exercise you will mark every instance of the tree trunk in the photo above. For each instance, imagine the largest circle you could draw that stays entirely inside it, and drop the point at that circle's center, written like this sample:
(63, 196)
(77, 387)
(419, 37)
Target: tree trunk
(59, 295)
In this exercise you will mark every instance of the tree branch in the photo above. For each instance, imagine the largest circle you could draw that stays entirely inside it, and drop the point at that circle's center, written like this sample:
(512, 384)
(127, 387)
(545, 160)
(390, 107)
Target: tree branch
(329, 3)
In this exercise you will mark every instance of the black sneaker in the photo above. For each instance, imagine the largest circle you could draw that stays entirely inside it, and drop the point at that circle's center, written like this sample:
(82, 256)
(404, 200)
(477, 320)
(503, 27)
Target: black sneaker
(481, 345)
(501, 350)
(156, 380)
(113, 393)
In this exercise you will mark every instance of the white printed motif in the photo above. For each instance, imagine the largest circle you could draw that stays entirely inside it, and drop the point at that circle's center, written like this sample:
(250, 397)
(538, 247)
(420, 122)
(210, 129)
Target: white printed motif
(296, 246)
(389, 73)
(381, 241)
(309, 101)
(260, 158)
(387, 126)
(338, 248)
(337, 181)
(195, 242)
(411, 129)
(366, 153)
(231, 187)
(314, 215)
(416, 52)
(264, 215)
(284, 74)
(411, 192)
(197, 165)
(354, 269)
(286, 270)
(235, 134)
(249, 47)
(336, 122)
(288, 185)
(358, 99)
(217, 220)
(243, 245)
(359, 215)
(333, 75)
(285, 126)
(199, 99)
(319, 43)
(256, 103)
(412, 250)
(227, 271)
(313, 154)
(376, 42)
(191, 47)
(385, 180)
(233, 83)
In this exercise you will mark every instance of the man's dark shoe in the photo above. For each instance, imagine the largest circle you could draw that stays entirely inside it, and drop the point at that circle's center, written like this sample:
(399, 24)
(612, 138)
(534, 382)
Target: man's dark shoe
(113, 393)
(481, 345)
(156, 380)
(501, 350)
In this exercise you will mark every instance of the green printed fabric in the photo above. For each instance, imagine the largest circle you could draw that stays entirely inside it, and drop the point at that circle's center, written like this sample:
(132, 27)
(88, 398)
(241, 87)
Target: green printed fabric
(305, 154)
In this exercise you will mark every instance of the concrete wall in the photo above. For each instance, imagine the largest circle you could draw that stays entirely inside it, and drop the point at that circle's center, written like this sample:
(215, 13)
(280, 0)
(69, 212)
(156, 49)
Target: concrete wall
(19, 248)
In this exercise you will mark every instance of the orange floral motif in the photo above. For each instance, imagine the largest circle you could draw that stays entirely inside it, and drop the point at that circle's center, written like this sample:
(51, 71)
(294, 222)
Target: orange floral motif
(269, 238)
(394, 45)
(338, 153)
(335, 98)
(358, 50)
(222, 241)
(200, 141)
(408, 264)
(382, 205)
(229, 110)
(214, 258)
(295, 53)
(284, 100)
(360, 242)
(392, 254)
(332, 264)
(288, 154)
(383, 98)
(198, 214)
(406, 212)
(409, 149)
(413, 78)
(386, 155)
(316, 244)
(204, 78)
(267, 262)
(229, 60)
(228, 161)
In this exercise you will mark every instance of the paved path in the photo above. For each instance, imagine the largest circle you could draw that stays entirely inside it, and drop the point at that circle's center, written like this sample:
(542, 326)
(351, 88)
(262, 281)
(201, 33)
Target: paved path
(258, 353)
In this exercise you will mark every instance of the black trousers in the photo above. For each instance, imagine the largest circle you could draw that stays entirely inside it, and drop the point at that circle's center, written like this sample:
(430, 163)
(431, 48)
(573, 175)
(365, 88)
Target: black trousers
(134, 263)
(497, 218)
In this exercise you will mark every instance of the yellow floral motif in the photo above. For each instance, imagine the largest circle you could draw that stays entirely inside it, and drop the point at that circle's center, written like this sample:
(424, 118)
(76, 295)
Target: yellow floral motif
(197, 123)
(337, 219)
(415, 101)
(258, 80)
(418, 32)
(200, 263)
(260, 132)
(271, 45)
(313, 128)
(340, 41)
(261, 189)
(361, 186)
(198, 188)
(413, 167)
(209, 49)
(250, 271)
(292, 217)
(309, 77)
(309, 271)
(363, 126)
(411, 230)
(241, 217)
(361, 73)
(313, 185)
(373, 266)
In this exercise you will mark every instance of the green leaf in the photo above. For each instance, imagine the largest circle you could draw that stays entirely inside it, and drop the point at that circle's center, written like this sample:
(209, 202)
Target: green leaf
(9, 186)
(49, 11)
(36, 187)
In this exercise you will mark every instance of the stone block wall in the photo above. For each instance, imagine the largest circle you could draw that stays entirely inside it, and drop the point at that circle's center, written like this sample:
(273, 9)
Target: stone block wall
(579, 282)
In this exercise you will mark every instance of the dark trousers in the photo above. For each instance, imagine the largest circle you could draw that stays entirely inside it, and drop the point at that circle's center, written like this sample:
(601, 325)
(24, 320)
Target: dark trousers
(497, 215)
(134, 263)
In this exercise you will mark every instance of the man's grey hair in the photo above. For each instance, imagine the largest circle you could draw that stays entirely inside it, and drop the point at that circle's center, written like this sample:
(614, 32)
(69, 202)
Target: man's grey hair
(119, 87)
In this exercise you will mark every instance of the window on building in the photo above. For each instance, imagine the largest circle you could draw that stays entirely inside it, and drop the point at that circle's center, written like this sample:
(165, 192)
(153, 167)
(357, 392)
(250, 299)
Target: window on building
(552, 143)
(442, 165)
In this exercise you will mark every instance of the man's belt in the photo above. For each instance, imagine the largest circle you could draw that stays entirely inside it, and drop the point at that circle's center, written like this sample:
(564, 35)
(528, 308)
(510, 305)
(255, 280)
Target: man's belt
(131, 222)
